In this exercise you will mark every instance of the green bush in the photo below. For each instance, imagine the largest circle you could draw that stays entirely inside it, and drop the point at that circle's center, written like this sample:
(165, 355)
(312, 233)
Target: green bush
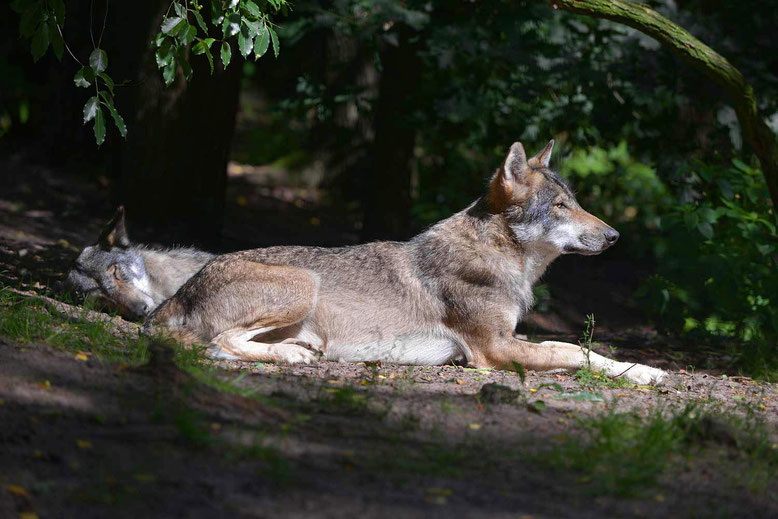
(717, 256)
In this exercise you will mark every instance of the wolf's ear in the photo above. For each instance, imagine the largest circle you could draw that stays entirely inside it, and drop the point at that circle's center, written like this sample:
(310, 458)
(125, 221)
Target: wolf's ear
(515, 163)
(509, 185)
(115, 233)
(544, 157)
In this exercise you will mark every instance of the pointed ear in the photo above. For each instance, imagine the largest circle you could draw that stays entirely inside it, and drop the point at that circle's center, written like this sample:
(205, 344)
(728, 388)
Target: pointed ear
(115, 233)
(544, 157)
(515, 163)
(509, 184)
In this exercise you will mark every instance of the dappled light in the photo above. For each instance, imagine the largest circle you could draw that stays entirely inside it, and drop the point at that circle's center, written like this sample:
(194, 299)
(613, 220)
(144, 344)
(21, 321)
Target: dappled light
(388, 259)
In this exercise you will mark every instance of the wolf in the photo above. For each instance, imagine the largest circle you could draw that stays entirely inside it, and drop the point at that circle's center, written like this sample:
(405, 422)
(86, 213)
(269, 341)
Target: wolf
(454, 293)
(131, 279)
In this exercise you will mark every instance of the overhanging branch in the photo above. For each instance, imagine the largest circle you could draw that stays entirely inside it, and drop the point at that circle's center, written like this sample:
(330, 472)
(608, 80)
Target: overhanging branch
(703, 59)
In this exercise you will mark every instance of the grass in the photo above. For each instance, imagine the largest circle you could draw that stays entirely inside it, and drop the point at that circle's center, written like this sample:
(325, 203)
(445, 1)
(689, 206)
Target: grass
(27, 320)
(625, 454)
(591, 378)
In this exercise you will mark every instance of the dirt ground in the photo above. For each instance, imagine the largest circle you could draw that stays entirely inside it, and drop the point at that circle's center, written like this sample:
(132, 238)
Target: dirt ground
(84, 438)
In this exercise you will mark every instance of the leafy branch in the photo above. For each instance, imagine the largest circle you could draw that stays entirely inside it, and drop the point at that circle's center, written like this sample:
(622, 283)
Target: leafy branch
(239, 19)
(42, 23)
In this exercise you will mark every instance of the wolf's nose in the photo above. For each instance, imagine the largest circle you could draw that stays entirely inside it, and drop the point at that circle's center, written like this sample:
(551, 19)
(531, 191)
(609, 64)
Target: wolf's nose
(611, 235)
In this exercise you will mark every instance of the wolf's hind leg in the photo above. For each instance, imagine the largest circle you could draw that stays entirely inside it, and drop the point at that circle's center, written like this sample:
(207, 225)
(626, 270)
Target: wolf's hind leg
(233, 304)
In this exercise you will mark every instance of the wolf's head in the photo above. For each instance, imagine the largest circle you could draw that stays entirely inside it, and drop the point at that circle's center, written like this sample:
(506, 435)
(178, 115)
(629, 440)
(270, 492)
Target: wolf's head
(112, 273)
(540, 208)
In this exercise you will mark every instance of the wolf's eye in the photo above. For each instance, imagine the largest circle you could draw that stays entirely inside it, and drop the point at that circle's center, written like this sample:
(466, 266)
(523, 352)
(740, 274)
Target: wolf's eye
(560, 205)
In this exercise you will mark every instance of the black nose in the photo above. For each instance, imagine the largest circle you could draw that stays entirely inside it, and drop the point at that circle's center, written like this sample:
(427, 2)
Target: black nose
(611, 235)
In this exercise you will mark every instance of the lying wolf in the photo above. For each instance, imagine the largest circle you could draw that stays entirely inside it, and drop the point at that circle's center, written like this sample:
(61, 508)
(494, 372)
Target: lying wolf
(132, 279)
(452, 294)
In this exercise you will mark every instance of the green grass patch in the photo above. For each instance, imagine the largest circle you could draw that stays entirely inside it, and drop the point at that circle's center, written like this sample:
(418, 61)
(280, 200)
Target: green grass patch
(27, 320)
(593, 379)
(625, 453)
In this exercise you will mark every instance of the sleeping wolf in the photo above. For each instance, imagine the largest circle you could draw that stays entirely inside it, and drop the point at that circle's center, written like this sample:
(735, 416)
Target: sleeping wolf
(132, 279)
(452, 294)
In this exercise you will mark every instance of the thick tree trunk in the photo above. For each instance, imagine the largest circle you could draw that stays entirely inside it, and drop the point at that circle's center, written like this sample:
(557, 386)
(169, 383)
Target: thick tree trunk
(387, 198)
(704, 59)
(173, 165)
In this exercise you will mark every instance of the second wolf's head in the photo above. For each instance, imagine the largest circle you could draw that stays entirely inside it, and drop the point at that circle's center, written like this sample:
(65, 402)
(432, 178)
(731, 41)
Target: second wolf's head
(541, 209)
(112, 273)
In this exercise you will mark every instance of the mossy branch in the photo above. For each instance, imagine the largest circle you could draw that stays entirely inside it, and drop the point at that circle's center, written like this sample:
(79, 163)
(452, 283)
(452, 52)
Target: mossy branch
(702, 58)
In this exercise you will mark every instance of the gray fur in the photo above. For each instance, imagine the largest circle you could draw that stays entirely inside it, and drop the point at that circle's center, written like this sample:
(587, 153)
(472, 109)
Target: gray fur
(133, 279)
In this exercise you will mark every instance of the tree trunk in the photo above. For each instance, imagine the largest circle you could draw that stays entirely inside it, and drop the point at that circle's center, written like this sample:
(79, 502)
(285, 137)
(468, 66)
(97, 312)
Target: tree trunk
(174, 163)
(704, 59)
(387, 198)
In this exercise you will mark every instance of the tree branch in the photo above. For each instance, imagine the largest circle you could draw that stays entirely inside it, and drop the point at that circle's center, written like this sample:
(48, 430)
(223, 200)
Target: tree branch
(703, 59)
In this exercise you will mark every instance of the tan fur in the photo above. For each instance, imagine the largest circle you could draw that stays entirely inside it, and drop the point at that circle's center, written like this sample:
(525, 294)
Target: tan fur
(453, 293)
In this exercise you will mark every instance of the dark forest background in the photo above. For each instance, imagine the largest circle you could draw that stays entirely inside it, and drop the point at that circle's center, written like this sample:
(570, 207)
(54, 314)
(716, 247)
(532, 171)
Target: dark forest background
(379, 118)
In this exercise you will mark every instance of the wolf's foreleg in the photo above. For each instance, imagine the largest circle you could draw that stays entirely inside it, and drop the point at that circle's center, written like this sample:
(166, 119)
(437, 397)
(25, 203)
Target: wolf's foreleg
(563, 355)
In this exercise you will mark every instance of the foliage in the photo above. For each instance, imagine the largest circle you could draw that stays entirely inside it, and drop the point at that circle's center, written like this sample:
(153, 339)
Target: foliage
(718, 257)
(242, 20)
(42, 23)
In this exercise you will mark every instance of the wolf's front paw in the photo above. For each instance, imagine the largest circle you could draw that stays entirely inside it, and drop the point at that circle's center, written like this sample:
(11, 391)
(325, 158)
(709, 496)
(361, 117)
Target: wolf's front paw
(645, 375)
(296, 351)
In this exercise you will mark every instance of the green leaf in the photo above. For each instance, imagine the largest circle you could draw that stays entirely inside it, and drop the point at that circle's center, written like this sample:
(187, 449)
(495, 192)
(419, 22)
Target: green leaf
(188, 34)
(705, 229)
(274, 38)
(186, 69)
(209, 56)
(252, 26)
(169, 72)
(202, 45)
(180, 9)
(57, 43)
(84, 77)
(173, 25)
(164, 53)
(231, 25)
(99, 126)
(742, 166)
(98, 60)
(217, 15)
(251, 8)
(690, 219)
(30, 20)
(200, 21)
(117, 119)
(90, 108)
(107, 79)
(245, 42)
(226, 53)
(40, 42)
(263, 40)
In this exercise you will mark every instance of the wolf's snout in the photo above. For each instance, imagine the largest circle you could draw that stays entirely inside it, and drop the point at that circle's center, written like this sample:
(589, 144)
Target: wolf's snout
(611, 235)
